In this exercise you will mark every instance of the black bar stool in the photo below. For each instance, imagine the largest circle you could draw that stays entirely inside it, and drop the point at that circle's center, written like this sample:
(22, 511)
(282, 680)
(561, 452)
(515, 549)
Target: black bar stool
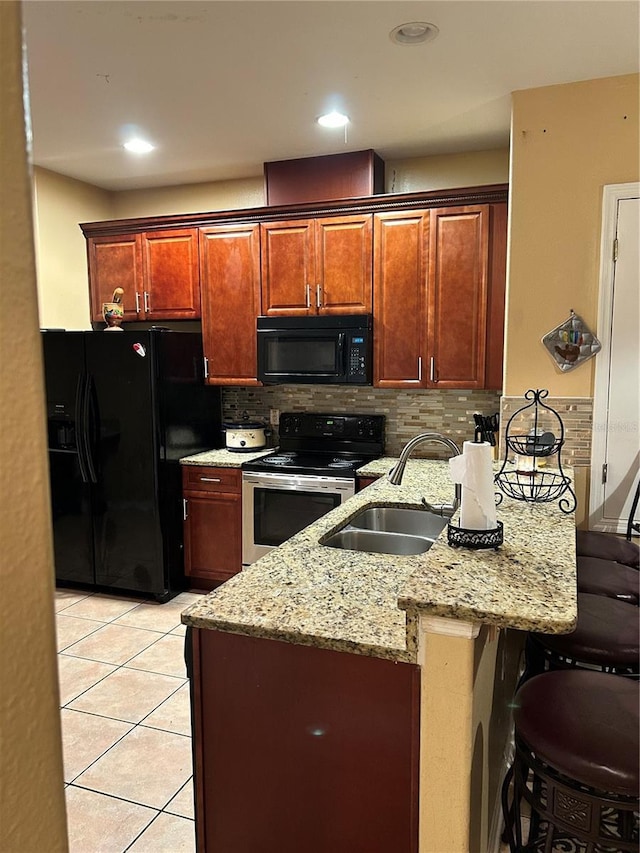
(606, 546)
(576, 764)
(606, 577)
(607, 637)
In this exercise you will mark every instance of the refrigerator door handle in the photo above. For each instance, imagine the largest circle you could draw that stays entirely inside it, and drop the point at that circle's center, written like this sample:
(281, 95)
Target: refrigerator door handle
(80, 430)
(90, 426)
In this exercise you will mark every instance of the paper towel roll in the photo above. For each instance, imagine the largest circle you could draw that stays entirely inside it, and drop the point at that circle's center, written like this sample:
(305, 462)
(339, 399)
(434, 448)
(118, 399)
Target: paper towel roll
(473, 470)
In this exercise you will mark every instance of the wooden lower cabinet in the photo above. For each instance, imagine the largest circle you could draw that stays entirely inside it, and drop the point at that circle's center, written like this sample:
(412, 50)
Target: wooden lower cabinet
(212, 522)
(363, 482)
(302, 749)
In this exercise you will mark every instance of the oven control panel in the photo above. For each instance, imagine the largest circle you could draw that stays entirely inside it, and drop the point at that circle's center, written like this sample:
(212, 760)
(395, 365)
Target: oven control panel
(327, 426)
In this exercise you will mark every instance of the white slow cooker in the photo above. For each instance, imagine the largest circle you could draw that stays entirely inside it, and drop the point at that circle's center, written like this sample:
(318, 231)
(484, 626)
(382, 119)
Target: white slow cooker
(244, 436)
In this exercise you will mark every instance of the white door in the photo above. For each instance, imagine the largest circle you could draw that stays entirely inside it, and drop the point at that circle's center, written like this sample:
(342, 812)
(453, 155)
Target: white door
(615, 462)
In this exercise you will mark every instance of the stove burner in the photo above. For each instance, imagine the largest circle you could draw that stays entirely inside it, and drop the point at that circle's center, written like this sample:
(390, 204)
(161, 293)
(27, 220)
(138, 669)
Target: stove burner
(281, 459)
(340, 463)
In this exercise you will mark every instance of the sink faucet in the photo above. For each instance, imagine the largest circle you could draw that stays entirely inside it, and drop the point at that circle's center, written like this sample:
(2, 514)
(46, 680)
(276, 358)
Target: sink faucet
(395, 475)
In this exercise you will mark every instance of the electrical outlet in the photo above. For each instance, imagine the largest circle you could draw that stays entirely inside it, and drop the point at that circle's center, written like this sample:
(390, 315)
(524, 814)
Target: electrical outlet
(274, 417)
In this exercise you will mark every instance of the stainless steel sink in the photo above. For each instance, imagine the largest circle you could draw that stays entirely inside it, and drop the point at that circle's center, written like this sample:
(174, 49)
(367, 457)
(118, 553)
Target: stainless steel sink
(394, 519)
(389, 530)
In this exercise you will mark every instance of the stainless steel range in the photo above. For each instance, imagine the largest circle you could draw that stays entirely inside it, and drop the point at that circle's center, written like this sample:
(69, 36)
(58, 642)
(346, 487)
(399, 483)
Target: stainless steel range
(313, 471)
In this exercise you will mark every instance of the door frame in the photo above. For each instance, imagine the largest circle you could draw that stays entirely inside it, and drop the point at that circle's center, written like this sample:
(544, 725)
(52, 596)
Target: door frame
(611, 195)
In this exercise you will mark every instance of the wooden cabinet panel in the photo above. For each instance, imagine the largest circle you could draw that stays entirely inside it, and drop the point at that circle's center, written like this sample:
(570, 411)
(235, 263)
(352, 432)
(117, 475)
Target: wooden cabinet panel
(172, 278)
(363, 482)
(400, 273)
(213, 522)
(114, 262)
(212, 537)
(200, 478)
(496, 296)
(230, 276)
(457, 301)
(288, 266)
(344, 263)
(303, 749)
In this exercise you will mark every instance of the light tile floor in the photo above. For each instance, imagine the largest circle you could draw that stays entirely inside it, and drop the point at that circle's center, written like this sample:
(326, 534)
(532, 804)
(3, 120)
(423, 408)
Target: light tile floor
(126, 723)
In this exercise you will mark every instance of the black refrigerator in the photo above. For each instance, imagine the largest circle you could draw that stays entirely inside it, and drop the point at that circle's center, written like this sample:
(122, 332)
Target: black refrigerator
(123, 407)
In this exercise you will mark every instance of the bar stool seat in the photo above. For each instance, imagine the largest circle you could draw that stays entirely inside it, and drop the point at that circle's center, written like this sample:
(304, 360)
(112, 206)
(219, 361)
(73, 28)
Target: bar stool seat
(576, 763)
(606, 546)
(606, 577)
(607, 636)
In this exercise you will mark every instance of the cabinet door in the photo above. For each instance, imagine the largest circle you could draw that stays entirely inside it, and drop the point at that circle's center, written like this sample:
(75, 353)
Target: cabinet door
(288, 269)
(115, 262)
(457, 312)
(212, 535)
(344, 262)
(230, 277)
(171, 275)
(496, 295)
(400, 281)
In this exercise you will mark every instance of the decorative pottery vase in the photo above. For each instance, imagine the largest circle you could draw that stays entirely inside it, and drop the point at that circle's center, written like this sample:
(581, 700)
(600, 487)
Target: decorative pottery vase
(113, 313)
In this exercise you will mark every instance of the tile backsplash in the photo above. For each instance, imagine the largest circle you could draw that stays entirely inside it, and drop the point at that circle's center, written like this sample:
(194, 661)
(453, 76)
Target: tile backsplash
(407, 412)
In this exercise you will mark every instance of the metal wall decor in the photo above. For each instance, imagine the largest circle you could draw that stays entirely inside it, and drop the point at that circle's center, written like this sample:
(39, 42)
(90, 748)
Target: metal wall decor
(571, 343)
(535, 434)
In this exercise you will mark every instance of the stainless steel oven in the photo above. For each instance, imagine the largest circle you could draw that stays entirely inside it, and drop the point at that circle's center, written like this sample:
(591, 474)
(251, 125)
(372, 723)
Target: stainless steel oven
(276, 506)
(312, 472)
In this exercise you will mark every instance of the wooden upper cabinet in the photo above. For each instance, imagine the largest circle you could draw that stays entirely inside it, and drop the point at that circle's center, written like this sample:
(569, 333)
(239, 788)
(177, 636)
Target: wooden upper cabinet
(287, 267)
(230, 277)
(344, 262)
(400, 273)
(114, 262)
(457, 297)
(317, 266)
(158, 271)
(439, 288)
(172, 278)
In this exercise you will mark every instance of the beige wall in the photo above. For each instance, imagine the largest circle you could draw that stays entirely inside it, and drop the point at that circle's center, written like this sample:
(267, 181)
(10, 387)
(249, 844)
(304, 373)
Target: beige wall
(60, 204)
(32, 817)
(567, 142)
(446, 171)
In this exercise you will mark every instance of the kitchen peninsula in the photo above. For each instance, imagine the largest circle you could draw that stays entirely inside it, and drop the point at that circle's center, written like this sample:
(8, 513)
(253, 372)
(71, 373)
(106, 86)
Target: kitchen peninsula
(421, 629)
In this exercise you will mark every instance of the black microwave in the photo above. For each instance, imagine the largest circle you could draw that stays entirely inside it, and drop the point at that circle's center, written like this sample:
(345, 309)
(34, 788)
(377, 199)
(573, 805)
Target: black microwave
(324, 350)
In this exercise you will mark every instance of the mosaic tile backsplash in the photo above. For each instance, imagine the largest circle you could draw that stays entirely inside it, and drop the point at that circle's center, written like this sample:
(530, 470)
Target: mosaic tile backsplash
(407, 412)
(410, 412)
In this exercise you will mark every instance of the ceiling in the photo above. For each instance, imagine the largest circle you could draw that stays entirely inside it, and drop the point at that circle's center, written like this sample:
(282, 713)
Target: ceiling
(222, 87)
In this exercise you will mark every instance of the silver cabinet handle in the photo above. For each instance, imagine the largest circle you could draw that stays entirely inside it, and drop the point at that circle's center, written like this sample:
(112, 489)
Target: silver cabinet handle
(307, 293)
(210, 480)
(206, 367)
(137, 302)
(419, 368)
(185, 511)
(432, 369)
(319, 295)
(146, 302)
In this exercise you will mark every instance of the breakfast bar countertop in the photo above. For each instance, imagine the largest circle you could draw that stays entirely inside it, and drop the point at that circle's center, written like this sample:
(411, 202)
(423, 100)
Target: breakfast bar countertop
(306, 593)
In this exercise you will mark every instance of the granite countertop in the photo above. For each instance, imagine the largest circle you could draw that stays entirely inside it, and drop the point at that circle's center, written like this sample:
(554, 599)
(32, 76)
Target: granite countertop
(307, 593)
(222, 458)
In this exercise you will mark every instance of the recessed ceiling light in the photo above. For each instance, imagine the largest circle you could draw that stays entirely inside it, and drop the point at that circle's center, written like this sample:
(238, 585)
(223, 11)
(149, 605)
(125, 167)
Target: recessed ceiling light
(415, 32)
(138, 146)
(333, 119)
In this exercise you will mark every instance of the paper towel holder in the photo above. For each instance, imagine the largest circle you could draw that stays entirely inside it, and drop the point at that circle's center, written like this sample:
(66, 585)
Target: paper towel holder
(528, 482)
(459, 536)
